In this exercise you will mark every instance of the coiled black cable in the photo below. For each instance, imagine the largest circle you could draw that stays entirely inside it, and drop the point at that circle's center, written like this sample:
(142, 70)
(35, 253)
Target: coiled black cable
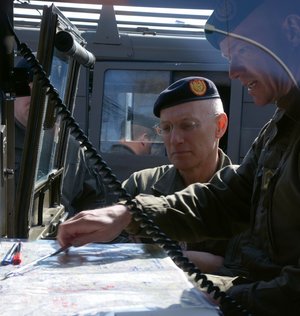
(228, 305)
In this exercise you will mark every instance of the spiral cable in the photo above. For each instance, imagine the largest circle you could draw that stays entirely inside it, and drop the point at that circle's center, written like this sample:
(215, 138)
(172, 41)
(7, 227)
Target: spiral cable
(229, 306)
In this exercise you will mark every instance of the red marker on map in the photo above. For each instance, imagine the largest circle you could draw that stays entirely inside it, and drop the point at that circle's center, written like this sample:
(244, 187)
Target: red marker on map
(17, 255)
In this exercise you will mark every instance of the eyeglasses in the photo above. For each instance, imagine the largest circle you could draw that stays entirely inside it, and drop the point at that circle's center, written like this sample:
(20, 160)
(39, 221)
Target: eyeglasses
(164, 129)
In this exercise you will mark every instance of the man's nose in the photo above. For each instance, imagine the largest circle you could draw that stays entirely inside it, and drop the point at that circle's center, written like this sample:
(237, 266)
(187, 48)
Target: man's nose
(235, 70)
(176, 136)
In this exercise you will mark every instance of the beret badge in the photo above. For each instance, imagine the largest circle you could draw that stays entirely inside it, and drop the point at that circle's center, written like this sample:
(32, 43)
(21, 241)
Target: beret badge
(226, 10)
(198, 87)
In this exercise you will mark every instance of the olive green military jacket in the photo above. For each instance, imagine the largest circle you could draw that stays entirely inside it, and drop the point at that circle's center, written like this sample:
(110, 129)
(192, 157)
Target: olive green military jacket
(263, 191)
(162, 180)
(165, 180)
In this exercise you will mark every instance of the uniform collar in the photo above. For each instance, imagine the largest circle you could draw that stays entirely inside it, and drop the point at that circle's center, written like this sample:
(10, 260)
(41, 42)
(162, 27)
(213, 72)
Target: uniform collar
(171, 181)
(290, 105)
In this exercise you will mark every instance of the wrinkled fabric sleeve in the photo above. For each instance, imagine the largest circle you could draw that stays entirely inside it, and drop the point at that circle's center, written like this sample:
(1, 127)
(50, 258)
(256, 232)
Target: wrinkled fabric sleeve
(280, 296)
(219, 209)
(131, 185)
(197, 212)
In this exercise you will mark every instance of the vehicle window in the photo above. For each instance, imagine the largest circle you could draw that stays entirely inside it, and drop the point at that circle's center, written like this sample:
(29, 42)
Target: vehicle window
(129, 96)
(50, 136)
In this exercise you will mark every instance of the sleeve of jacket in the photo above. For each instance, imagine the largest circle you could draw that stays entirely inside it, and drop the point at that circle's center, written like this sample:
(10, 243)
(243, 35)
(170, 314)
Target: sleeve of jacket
(219, 209)
(280, 296)
(131, 185)
(142, 181)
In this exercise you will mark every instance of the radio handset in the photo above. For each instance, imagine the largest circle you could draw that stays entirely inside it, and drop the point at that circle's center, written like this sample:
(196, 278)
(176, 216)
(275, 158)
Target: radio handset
(228, 305)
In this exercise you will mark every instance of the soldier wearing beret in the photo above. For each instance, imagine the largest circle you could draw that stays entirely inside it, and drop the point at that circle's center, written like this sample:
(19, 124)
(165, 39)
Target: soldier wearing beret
(261, 40)
(192, 121)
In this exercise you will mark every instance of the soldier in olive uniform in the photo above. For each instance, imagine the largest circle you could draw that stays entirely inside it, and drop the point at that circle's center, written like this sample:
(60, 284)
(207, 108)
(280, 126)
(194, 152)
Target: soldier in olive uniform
(192, 121)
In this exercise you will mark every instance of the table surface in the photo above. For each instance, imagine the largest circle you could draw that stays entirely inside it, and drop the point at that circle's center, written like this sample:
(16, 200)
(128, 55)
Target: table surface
(98, 279)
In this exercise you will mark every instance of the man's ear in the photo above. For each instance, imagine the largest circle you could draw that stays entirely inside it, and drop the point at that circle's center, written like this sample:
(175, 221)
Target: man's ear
(222, 122)
(291, 27)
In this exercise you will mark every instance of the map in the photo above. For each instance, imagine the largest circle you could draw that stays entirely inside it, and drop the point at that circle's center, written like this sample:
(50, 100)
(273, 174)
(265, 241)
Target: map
(98, 279)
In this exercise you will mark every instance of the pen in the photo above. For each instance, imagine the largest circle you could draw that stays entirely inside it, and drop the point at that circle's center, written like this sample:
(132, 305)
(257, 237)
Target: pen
(25, 268)
(17, 255)
(9, 255)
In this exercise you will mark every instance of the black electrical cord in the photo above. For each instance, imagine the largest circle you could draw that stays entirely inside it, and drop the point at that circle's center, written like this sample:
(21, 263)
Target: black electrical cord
(229, 306)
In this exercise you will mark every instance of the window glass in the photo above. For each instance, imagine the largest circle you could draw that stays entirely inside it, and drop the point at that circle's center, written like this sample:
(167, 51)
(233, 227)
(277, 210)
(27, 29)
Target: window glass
(50, 136)
(127, 117)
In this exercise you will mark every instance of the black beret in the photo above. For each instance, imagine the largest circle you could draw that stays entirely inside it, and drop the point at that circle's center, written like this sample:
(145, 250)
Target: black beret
(227, 15)
(185, 90)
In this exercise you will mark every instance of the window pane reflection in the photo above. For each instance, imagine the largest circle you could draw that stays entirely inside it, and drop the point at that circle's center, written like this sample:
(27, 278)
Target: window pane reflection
(127, 117)
(50, 136)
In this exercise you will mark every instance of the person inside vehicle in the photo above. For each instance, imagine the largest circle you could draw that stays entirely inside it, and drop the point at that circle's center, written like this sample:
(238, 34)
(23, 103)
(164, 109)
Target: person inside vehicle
(261, 40)
(82, 185)
(137, 136)
(192, 121)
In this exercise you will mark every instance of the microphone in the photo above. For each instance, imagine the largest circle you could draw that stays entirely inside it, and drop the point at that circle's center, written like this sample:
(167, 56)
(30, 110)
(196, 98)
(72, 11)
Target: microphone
(66, 43)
